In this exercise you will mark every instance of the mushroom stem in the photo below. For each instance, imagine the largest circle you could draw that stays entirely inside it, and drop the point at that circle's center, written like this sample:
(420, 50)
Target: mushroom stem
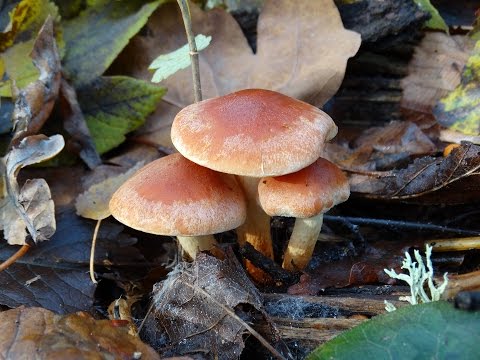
(192, 245)
(256, 228)
(302, 242)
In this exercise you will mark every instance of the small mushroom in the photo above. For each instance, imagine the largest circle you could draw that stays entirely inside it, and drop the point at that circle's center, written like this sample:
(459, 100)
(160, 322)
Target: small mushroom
(174, 196)
(252, 133)
(306, 195)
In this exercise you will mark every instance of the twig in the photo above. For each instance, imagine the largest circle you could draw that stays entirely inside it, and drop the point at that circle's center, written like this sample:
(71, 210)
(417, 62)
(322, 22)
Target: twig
(22, 251)
(187, 20)
(252, 331)
(92, 252)
(399, 224)
(455, 244)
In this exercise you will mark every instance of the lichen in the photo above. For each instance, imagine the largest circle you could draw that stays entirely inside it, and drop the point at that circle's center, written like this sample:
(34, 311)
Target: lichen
(418, 275)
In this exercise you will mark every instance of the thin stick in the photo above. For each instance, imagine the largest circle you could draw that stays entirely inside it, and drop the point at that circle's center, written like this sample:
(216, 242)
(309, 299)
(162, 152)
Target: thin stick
(398, 224)
(456, 244)
(187, 20)
(22, 251)
(92, 252)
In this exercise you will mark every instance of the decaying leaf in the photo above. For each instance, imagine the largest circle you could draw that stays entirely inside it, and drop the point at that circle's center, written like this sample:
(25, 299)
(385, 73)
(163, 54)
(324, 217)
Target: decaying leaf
(116, 105)
(99, 33)
(302, 47)
(460, 110)
(29, 333)
(191, 305)
(34, 104)
(30, 207)
(434, 70)
(54, 274)
(26, 20)
(93, 203)
(381, 148)
(424, 176)
(168, 64)
(76, 126)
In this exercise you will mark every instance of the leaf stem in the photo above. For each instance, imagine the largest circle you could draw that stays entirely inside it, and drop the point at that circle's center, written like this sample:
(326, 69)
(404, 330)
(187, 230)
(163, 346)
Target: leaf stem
(12, 259)
(187, 20)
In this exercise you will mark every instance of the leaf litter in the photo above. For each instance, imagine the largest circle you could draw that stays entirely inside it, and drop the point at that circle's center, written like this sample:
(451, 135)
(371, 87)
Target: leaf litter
(312, 72)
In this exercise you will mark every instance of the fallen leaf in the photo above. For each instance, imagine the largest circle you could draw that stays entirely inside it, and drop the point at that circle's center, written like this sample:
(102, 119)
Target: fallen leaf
(95, 37)
(93, 203)
(31, 207)
(302, 52)
(433, 330)
(434, 70)
(39, 333)
(423, 177)
(168, 64)
(34, 103)
(75, 124)
(191, 304)
(460, 110)
(60, 266)
(116, 105)
(381, 148)
(435, 21)
(26, 21)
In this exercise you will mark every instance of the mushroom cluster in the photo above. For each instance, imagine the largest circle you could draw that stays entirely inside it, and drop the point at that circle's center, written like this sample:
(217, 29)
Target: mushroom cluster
(270, 143)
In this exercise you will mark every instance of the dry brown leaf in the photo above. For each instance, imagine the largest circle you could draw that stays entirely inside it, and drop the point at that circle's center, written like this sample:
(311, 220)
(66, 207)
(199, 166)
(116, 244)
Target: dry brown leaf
(302, 47)
(93, 203)
(381, 148)
(35, 103)
(434, 70)
(30, 207)
(36, 333)
(425, 177)
(197, 301)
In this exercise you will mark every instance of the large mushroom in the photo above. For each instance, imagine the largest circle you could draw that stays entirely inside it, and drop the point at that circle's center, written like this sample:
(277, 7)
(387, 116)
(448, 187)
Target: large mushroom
(252, 133)
(306, 195)
(174, 196)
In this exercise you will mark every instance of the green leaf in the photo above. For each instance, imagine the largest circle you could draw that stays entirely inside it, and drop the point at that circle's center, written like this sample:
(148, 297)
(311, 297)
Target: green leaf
(99, 33)
(460, 110)
(19, 66)
(428, 331)
(168, 64)
(114, 106)
(436, 21)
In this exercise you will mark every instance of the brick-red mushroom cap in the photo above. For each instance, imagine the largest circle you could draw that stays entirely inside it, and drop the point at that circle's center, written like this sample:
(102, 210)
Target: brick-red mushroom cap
(252, 132)
(174, 196)
(305, 193)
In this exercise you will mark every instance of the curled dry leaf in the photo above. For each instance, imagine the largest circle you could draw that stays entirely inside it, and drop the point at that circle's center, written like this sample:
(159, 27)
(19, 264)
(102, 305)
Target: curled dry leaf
(191, 304)
(93, 203)
(34, 104)
(424, 177)
(30, 207)
(302, 47)
(36, 333)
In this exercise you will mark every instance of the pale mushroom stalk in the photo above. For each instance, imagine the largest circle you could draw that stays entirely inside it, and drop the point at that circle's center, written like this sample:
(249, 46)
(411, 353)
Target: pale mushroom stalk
(305, 195)
(256, 228)
(192, 245)
(302, 242)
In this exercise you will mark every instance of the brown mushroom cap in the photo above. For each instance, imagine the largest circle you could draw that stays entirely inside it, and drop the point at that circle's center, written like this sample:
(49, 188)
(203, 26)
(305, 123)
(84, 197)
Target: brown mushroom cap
(174, 196)
(305, 193)
(252, 132)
